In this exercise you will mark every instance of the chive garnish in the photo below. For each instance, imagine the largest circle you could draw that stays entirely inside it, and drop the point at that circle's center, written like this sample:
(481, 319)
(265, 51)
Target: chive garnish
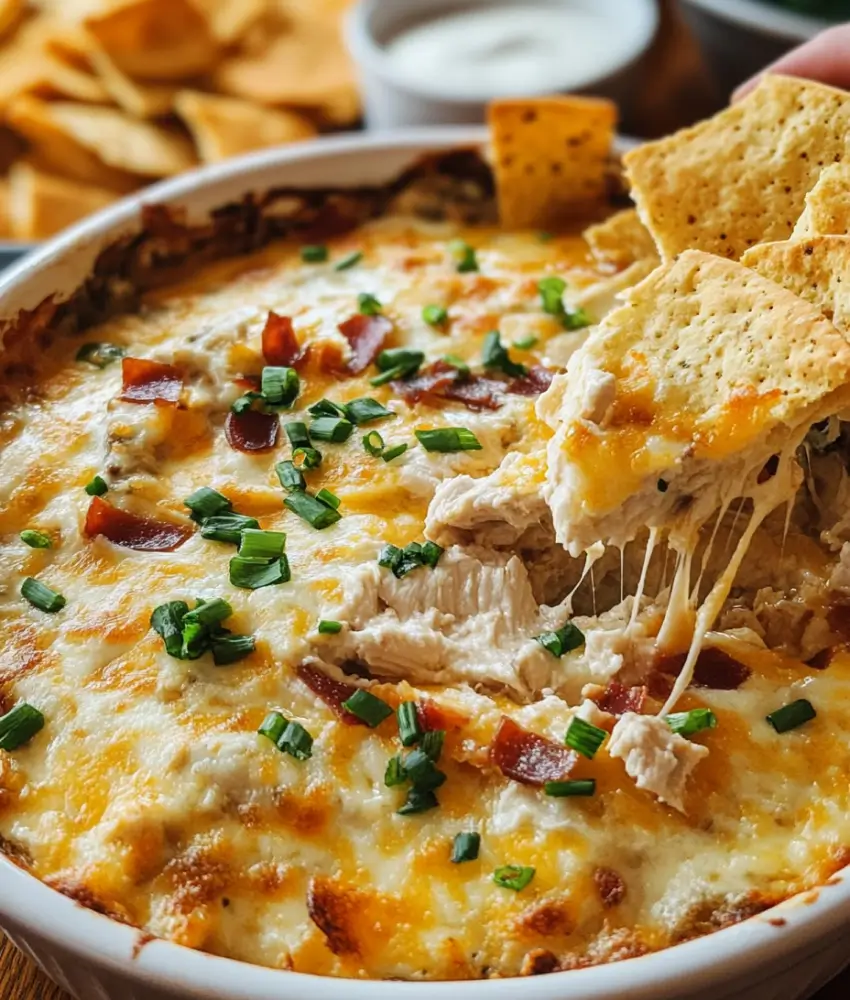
(563, 640)
(206, 502)
(368, 304)
(311, 510)
(335, 429)
(254, 573)
(567, 789)
(246, 402)
(326, 408)
(584, 738)
(367, 707)
(231, 648)
(227, 527)
(273, 726)
(97, 487)
(396, 363)
(314, 254)
(296, 431)
(327, 627)
(290, 477)
(100, 355)
(448, 439)
(525, 343)
(328, 499)
(19, 726)
(418, 801)
(411, 557)
(551, 292)
(576, 319)
(495, 355)
(209, 613)
(306, 458)
(41, 596)
(257, 544)
(395, 773)
(373, 443)
(390, 453)
(187, 634)
(423, 771)
(514, 877)
(466, 259)
(432, 742)
(280, 386)
(409, 729)
(688, 723)
(365, 410)
(458, 363)
(435, 315)
(36, 539)
(349, 260)
(389, 556)
(287, 735)
(465, 847)
(791, 716)
(167, 622)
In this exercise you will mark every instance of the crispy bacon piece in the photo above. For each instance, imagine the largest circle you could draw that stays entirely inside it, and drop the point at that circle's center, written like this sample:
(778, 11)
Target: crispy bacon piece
(367, 335)
(145, 534)
(433, 716)
(527, 757)
(443, 381)
(611, 887)
(252, 431)
(714, 669)
(150, 382)
(430, 382)
(279, 344)
(838, 619)
(533, 383)
(332, 692)
(617, 699)
(476, 392)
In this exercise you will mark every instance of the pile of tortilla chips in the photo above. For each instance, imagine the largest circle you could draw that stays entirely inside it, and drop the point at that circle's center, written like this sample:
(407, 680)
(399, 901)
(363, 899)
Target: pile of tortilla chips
(99, 97)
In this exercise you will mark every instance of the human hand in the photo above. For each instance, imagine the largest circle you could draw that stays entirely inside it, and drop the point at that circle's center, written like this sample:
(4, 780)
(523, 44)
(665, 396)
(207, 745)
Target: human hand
(825, 58)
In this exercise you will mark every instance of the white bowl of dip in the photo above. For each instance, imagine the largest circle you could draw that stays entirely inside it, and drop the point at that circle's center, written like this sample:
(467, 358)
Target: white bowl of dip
(425, 62)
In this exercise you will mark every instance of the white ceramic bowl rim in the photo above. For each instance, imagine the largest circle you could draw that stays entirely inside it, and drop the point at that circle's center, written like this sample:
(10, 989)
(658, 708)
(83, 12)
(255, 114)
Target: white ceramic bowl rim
(371, 55)
(766, 18)
(30, 908)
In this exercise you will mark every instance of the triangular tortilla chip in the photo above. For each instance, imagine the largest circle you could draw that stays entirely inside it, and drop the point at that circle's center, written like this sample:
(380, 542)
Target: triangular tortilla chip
(29, 69)
(155, 39)
(226, 126)
(827, 211)
(230, 20)
(550, 158)
(741, 177)
(11, 12)
(141, 100)
(42, 204)
(621, 240)
(817, 270)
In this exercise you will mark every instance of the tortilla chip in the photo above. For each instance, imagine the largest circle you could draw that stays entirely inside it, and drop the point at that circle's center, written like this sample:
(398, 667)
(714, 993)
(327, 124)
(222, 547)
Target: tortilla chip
(621, 240)
(42, 204)
(99, 145)
(11, 12)
(27, 69)
(817, 269)
(226, 126)
(155, 39)
(230, 21)
(141, 100)
(827, 211)
(741, 177)
(551, 157)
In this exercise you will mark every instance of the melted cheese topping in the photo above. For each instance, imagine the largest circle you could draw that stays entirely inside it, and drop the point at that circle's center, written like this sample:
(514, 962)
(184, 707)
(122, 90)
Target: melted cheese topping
(150, 791)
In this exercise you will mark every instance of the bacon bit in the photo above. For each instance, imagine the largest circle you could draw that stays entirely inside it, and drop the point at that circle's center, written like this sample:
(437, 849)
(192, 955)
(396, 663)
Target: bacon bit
(252, 431)
(443, 381)
(823, 659)
(431, 381)
(838, 619)
(533, 383)
(715, 669)
(433, 716)
(366, 334)
(617, 699)
(527, 757)
(332, 692)
(611, 887)
(280, 346)
(539, 962)
(150, 382)
(144, 534)
(476, 393)
(549, 917)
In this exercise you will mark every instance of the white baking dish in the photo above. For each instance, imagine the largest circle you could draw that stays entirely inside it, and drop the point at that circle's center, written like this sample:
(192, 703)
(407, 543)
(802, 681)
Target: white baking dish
(784, 954)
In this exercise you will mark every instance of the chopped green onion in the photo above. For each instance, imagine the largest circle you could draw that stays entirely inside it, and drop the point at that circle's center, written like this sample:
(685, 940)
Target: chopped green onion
(423, 771)
(373, 443)
(418, 801)
(257, 544)
(19, 726)
(100, 355)
(688, 723)
(584, 738)
(296, 741)
(465, 256)
(390, 556)
(306, 458)
(196, 638)
(365, 410)
(296, 431)
(36, 539)
(576, 319)
(466, 847)
(167, 622)
(411, 557)
(525, 343)
(397, 449)
(432, 742)
(563, 640)
(326, 408)
(448, 439)
(431, 553)
(495, 355)
(457, 363)
(290, 477)
(41, 596)
(514, 877)
(395, 773)
(314, 254)
(273, 727)
(327, 627)
(328, 499)
(227, 527)
(409, 730)
(567, 789)
(791, 716)
(227, 649)
(331, 429)
(246, 402)
(97, 487)
(399, 359)
(368, 304)
(349, 260)
(209, 613)
(253, 574)
(551, 292)
(367, 707)
(204, 503)
(311, 510)
(280, 386)
(435, 315)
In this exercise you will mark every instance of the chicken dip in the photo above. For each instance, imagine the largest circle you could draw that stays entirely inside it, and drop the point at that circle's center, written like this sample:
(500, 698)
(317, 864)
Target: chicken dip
(448, 580)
